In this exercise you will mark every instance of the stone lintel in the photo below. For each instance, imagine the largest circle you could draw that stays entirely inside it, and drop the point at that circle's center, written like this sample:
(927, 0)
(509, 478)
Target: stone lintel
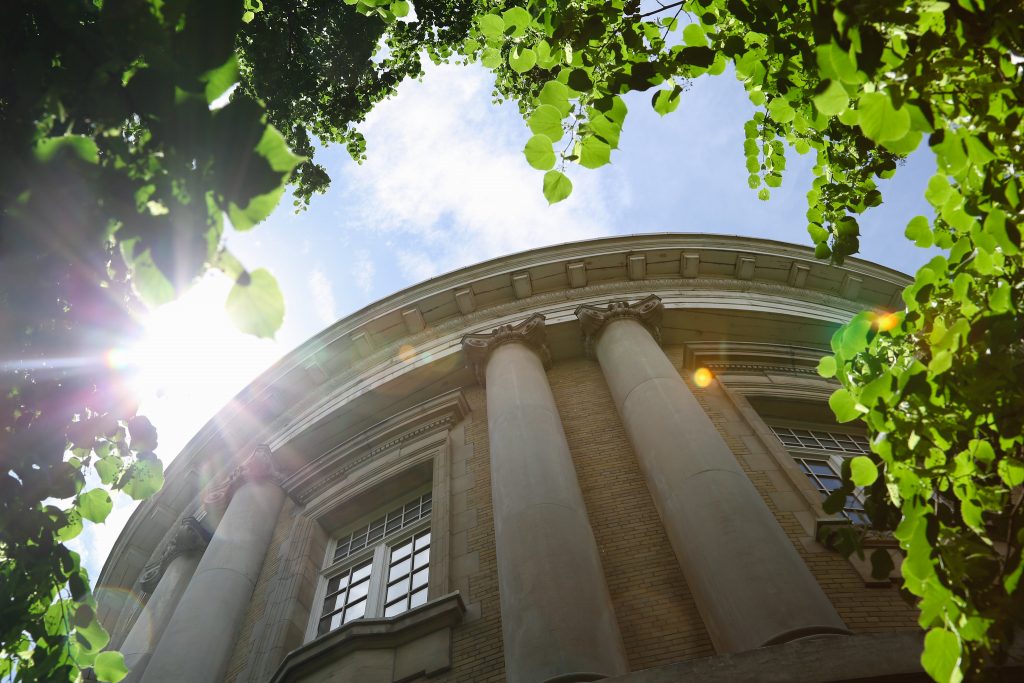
(190, 537)
(479, 347)
(259, 466)
(593, 319)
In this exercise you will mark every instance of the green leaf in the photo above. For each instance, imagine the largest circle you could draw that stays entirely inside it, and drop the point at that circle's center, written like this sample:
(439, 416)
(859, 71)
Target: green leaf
(827, 366)
(491, 25)
(1011, 471)
(941, 656)
(938, 191)
(107, 468)
(400, 8)
(835, 63)
(143, 479)
(547, 120)
(220, 79)
(844, 406)
(71, 528)
(79, 145)
(256, 306)
(539, 152)
(491, 57)
(693, 35)
(919, 231)
(879, 120)
(95, 505)
(941, 362)
(557, 95)
(517, 19)
(110, 667)
(556, 187)
(594, 152)
(579, 80)
(274, 148)
(522, 61)
(780, 110)
(832, 100)
(666, 101)
(863, 472)
(151, 284)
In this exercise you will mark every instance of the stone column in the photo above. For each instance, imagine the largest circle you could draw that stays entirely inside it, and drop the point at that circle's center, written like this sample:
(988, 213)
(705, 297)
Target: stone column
(556, 614)
(200, 637)
(165, 580)
(750, 585)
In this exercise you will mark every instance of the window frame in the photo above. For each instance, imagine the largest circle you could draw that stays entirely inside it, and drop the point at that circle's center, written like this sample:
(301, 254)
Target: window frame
(379, 556)
(832, 457)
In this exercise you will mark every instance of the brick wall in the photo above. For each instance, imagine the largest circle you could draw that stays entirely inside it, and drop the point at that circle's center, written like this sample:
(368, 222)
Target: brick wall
(655, 610)
(477, 653)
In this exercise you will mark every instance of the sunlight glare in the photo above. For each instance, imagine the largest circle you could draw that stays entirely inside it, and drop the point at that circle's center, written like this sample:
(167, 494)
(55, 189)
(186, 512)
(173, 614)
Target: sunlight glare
(191, 361)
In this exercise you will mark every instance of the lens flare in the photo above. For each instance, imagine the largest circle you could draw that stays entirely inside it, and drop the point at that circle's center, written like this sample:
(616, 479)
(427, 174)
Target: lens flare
(406, 353)
(702, 377)
(887, 321)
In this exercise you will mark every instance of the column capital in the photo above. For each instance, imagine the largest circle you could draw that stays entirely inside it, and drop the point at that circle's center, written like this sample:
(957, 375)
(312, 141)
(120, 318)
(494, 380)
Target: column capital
(259, 466)
(530, 332)
(190, 537)
(593, 319)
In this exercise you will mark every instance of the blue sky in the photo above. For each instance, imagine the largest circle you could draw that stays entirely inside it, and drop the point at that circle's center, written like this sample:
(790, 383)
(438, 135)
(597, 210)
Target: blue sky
(446, 185)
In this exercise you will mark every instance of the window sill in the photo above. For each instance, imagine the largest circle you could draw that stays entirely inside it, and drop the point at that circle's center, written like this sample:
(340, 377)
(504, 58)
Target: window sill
(402, 648)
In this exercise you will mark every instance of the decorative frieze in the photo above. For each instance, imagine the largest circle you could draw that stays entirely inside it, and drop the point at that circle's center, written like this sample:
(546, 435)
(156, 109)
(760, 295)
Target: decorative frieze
(593, 319)
(530, 332)
(191, 536)
(259, 466)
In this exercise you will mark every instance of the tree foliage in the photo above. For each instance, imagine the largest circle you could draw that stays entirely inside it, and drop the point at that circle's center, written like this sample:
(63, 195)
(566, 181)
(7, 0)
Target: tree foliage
(123, 152)
(860, 85)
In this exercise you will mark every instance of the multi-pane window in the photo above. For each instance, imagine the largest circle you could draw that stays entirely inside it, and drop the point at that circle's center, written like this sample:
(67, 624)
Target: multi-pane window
(380, 568)
(820, 455)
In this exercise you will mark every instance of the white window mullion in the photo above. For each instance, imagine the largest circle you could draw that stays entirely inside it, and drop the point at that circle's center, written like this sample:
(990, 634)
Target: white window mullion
(375, 599)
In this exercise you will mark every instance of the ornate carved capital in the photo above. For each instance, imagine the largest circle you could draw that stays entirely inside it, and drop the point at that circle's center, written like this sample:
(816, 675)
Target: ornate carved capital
(259, 466)
(190, 537)
(593, 319)
(479, 347)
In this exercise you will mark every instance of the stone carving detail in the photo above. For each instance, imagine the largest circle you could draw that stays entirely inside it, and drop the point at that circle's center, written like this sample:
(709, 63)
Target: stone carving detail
(190, 537)
(648, 312)
(479, 347)
(259, 466)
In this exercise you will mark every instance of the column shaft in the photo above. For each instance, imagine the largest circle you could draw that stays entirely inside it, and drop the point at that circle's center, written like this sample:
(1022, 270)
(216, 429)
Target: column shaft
(152, 620)
(201, 635)
(749, 583)
(556, 613)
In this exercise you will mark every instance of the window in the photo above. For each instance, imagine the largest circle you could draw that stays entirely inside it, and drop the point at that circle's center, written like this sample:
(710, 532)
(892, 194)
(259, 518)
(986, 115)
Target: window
(378, 569)
(820, 455)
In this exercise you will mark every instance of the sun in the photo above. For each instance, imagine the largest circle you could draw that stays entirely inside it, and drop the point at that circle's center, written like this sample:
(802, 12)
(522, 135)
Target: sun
(190, 361)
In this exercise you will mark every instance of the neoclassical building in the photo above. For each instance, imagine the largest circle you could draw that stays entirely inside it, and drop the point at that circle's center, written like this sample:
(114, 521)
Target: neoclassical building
(515, 472)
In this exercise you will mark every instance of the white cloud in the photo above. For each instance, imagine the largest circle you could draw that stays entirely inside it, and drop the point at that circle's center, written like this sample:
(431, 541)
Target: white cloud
(363, 271)
(323, 296)
(446, 171)
(416, 265)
